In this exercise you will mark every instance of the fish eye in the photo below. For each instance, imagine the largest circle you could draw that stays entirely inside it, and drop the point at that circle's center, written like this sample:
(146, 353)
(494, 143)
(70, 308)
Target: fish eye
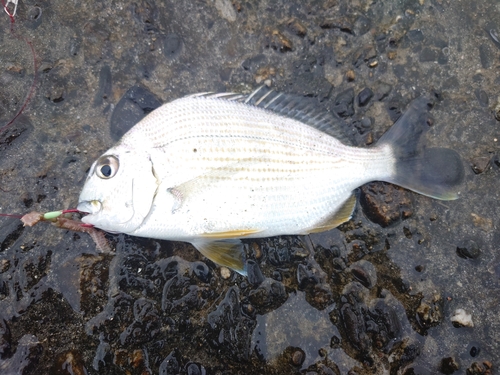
(107, 166)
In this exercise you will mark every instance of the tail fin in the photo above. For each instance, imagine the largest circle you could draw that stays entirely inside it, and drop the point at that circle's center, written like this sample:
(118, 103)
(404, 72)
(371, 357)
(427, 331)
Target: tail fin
(435, 172)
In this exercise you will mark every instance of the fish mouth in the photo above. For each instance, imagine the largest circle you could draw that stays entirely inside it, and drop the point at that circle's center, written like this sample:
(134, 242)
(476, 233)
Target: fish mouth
(89, 207)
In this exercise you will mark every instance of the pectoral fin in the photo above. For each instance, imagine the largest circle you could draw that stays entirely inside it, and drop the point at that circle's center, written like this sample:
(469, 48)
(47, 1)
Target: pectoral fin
(227, 253)
(340, 216)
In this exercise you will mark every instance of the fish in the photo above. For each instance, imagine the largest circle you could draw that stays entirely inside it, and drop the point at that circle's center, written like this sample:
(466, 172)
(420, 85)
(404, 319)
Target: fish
(213, 169)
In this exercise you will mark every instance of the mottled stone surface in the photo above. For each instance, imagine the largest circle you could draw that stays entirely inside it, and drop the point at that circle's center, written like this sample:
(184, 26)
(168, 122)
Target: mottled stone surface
(373, 296)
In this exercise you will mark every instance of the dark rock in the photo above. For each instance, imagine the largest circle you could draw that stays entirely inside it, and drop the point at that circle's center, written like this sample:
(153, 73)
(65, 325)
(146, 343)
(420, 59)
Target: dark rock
(382, 90)
(468, 250)
(297, 356)
(365, 273)
(448, 365)
(428, 55)
(170, 365)
(195, 369)
(254, 274)
(385, 204)
(415, 35)
(480, 164)
(482, 98)
(104, 90)
(364, 96)
(201, 271)
(473, 349)
(132, 107)
(344, 103)
(254, 62)
(172, 46)
(34, 17)
(486, 56)
(362, 25)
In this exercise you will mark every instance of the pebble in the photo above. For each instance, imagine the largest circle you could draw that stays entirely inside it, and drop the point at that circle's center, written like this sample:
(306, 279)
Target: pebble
(468, 250)
(364, 96)
(365, 273)
(134, 105)
(385, 204)
(486, 56)
(480, 164)
(350, 75)
(344, 102)
(449, 365)
(297, 27)
(254, 274)
(298, 357)
(226, 10)
(482, 98)
(104, 90)
(172, 46)
(225, 273)
(461, 319)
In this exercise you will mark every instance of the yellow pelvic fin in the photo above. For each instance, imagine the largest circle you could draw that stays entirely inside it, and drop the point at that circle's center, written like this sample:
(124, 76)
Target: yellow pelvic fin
(238, 233)
(340, 216)
(227, 253)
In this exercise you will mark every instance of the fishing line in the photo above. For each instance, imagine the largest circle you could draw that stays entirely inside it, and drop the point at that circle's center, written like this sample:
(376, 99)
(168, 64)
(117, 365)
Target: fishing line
(35, 64)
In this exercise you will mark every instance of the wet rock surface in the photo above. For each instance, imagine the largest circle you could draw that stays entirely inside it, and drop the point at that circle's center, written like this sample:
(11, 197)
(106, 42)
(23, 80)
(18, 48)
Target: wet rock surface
(374, 296)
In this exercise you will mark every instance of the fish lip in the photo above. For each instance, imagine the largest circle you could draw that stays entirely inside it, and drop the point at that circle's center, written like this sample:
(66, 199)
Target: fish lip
(91, 207)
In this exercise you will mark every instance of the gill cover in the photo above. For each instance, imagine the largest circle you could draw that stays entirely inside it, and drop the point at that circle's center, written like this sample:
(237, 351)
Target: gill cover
(119, 191)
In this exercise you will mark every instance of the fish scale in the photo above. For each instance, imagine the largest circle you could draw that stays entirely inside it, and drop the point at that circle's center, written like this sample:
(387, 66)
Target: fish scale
(212, 169)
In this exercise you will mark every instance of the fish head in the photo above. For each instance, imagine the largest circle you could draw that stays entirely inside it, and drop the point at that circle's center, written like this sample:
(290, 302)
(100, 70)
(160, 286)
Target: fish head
(119, 191)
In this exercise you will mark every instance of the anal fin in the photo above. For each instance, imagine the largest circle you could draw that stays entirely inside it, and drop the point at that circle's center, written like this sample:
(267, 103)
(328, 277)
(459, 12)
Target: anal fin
(227, 253)
(230, 234)
(340, 216)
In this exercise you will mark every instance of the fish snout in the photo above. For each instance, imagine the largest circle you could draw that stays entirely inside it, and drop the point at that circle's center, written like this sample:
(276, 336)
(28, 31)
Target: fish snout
(90, 207)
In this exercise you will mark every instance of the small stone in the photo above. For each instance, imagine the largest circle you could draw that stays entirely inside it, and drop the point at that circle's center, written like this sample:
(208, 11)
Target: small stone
(391, 55)
(350, 75)
(255, 277)
(462, 319)
(298, 357)
(364, 96)
(480, 164)
(449, 365)
(225, 273)
(297, 27)
(365, 273)
(482, 98)
(468, 250)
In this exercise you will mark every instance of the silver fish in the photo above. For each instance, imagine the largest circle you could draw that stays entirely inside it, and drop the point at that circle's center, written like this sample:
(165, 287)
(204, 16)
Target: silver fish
(211, 169)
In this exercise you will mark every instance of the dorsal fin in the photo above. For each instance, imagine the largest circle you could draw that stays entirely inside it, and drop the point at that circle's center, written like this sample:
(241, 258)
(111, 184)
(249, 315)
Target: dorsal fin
(304, 109)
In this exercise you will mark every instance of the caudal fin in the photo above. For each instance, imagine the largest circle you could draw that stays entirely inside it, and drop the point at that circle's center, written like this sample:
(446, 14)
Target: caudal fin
(435, 172)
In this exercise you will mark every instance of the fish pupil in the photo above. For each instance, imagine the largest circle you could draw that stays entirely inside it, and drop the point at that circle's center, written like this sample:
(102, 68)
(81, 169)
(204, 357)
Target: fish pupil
(106, 170)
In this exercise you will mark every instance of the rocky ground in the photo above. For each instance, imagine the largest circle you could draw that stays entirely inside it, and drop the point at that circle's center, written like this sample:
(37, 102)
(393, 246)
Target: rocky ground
(377, 295)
